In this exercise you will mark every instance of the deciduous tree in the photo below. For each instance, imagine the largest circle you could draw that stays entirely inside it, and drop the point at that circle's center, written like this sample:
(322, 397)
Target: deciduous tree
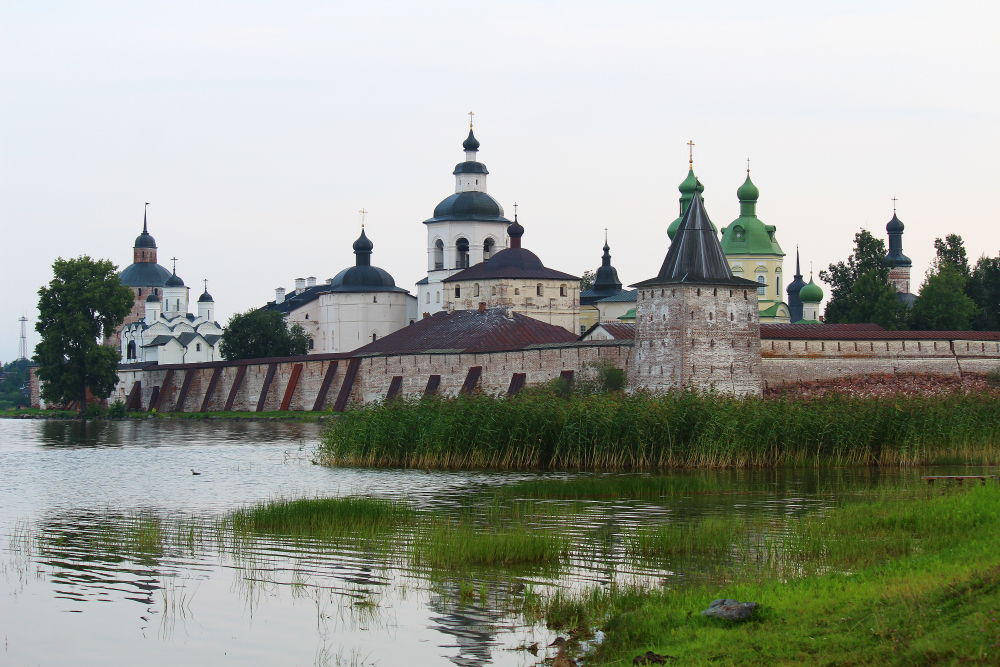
(942, 304)
(860, 288)
(84, 302)
(262, 333)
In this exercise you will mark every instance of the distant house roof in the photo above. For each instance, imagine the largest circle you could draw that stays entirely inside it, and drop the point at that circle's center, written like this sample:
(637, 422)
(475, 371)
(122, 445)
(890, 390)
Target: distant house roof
(511, 263)
(628, 295)
(468, 331)
(162, 339)
(617, 330)
(298, 299)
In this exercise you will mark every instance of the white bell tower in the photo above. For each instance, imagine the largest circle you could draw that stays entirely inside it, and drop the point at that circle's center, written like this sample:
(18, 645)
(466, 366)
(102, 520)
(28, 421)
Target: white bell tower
(467, 228)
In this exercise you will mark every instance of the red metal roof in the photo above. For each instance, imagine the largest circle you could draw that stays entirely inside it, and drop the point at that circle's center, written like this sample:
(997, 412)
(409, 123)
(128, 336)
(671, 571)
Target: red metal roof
(865, 332)
(619, 330)
(468, 331)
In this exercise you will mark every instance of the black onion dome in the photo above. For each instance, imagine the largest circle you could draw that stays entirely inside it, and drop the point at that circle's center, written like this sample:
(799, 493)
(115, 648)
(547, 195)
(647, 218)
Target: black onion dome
(471, 143)
(363, 244)
(144, 274)
(206, 298)
(363, 278)
(174, 281)
(145, 240)
(606, 278)
(472, 205)
(895, 225)
(152, 298)
(515, 229)
(515, 258)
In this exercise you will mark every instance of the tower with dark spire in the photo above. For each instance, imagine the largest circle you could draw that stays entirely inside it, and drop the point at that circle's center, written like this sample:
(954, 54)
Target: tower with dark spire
(900, 264)
(606, 282)
(697, 325)
(794, 287)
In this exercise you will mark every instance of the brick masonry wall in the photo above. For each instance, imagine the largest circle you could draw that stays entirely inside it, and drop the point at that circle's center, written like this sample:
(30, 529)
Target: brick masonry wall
(701, 337)
(783, 362)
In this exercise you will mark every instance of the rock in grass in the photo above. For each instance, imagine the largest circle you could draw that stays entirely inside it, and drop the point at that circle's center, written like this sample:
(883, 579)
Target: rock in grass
(730, 610)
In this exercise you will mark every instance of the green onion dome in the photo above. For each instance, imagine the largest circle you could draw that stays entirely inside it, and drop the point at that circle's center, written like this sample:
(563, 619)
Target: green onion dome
(811, 293)
(748, 191)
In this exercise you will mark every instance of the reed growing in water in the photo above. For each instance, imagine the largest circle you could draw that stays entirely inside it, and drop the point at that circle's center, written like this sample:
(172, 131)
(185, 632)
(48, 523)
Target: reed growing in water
(641, 431)
(317, 517)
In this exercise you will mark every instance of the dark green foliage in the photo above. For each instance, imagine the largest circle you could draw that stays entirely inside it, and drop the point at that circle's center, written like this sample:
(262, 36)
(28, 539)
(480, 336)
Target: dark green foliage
(587, 280)
(951, 251)
(117, 410)
(84, 301)
(860, 289)
(256, 334)
(15, 377)
(984, 288)
(542, 429)
(943, 304)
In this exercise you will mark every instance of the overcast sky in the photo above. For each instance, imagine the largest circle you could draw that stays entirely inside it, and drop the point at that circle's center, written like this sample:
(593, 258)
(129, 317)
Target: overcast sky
(259, 129)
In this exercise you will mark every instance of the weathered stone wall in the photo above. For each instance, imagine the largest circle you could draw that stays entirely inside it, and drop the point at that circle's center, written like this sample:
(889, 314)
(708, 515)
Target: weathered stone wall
(791, 361)
(701, 337)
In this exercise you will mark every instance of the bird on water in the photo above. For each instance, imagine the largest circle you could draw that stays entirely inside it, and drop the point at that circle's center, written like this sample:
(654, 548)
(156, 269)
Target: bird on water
(562, 660)
(194, 473)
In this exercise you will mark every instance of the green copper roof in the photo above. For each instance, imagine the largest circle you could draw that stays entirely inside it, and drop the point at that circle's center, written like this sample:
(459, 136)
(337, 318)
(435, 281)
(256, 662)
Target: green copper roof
(747, 235)
(771, 311)
(629, 316)
(748, 191)
(811, 293)
(687, 188)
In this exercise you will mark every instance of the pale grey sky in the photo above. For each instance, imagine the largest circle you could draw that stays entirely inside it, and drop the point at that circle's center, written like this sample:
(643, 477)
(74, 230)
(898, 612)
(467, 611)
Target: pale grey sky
(259, 129)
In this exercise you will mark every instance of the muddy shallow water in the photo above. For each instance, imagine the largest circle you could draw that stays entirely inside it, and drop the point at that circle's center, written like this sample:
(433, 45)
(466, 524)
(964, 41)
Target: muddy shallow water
(73, 598)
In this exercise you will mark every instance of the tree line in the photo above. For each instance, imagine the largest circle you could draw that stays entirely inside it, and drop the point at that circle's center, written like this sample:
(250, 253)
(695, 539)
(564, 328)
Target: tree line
(954, 296)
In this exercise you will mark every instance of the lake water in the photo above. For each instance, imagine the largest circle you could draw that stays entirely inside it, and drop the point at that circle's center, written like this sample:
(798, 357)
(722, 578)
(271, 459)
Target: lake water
(71, 599)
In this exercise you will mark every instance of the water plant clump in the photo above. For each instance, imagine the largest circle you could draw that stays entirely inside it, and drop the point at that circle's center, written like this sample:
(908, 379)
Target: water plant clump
(318, 517)
(642, 431)
(610, 486)
(456, 544)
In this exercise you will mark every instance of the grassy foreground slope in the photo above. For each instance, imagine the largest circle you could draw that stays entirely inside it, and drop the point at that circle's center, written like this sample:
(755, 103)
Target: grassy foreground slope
(909, 581)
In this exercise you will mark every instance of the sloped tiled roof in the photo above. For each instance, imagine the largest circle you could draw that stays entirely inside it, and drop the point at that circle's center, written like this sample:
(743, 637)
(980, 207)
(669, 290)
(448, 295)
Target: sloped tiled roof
(617, 330)
(468, 331)
(628, 295)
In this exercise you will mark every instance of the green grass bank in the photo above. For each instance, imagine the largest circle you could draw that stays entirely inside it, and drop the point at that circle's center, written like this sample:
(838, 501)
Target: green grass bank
(908, 580)
(542, 429)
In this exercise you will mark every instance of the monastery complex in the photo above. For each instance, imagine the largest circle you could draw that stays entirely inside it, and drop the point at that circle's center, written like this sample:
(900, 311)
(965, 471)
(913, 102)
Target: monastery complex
(491, 316)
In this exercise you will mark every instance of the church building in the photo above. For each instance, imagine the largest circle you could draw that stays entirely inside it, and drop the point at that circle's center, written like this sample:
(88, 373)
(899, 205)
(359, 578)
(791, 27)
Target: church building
(357, 306)
(606, 286)
(159, 327)
(900, 264)
(467, 228)
(516, 279)
(753, 253)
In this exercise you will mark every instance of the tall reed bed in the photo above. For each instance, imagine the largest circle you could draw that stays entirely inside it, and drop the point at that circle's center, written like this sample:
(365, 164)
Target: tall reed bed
(614, 431)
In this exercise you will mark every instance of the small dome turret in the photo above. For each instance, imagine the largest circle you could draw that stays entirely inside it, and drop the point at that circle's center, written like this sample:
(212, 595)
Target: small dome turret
(514, 229)
(471, 143)
(895, 225)
(747, 192)
(811, 293)
(152, 298)
(206, 298)
(174, 281)
(363, 244)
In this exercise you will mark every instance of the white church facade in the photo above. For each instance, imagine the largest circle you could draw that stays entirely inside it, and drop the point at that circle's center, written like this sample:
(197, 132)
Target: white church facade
(159, 327)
